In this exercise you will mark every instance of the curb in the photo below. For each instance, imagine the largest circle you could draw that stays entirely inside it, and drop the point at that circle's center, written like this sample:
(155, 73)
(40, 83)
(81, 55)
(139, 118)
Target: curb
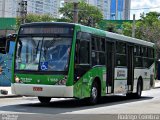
(156, 87)
(9, 96)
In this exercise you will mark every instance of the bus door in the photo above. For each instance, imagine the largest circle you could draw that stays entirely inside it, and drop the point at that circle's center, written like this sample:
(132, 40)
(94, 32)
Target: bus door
(110, 60)
(130, 75)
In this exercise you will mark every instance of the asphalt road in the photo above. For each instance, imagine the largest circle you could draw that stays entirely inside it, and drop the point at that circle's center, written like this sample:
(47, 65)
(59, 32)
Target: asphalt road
(109, 108)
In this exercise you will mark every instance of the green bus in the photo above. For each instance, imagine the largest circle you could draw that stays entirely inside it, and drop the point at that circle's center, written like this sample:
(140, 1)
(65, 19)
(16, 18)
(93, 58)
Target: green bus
(54, 60)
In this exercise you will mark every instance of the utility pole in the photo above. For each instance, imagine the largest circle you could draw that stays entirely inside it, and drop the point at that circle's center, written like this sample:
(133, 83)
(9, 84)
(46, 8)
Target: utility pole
(134, 26)
(75, 12)
(22, 10)
(75, 9)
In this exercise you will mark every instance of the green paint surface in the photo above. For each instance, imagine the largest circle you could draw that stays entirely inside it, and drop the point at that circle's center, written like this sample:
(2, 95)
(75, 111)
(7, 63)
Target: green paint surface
(7, 23)
(82, 87)
(39, 79)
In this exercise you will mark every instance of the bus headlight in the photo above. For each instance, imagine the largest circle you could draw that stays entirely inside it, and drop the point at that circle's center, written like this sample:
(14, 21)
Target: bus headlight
(62, 82)
(17, 80)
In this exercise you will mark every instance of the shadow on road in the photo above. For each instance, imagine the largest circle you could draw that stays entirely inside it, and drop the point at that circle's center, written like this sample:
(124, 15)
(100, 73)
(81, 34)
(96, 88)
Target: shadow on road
(63, 106)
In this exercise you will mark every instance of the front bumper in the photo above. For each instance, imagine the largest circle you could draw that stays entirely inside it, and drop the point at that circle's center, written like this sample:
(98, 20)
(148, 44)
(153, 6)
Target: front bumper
(48, 90)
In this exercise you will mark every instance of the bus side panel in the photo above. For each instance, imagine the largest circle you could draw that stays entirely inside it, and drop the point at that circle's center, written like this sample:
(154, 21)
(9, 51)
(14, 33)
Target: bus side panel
(120, 83)
(82, 87)
(147, 75)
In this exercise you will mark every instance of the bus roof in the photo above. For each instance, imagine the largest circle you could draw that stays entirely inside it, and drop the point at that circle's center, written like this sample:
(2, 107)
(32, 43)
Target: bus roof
(96, 32)
(129, 39)
(47, 23)
(115, 36)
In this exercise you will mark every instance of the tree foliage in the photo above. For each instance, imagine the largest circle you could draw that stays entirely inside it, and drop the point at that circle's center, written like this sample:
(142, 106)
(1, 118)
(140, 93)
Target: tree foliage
(35, 18)
(147, 28)
(111, 27)
(85, 12)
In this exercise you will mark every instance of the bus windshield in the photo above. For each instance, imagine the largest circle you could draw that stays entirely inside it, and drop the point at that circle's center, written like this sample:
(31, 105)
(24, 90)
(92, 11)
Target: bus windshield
(43, 53)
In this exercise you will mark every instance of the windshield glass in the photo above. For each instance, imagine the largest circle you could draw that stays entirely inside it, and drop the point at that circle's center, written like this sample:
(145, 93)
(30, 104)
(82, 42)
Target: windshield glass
(43, 53)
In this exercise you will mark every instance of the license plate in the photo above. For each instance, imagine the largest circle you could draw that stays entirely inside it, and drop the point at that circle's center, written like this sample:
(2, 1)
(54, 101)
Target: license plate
(37, 89)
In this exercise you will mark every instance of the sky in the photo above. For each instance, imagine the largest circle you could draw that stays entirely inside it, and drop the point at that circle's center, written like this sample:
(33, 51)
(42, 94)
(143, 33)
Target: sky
(150, 5)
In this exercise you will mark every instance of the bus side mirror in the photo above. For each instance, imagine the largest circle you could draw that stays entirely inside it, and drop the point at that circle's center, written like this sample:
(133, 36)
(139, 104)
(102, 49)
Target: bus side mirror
(2, 45)
(10, 46)
(10, 43)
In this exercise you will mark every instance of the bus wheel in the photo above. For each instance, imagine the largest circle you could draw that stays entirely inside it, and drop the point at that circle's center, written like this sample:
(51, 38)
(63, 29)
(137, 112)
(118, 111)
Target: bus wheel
(139, 89)
(44, 100)
(94, 93)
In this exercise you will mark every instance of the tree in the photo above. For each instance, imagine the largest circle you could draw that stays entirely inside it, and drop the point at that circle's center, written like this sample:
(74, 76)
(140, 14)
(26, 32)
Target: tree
(35, 18)
(127, 29)
(112, 27)
(147, 28)
(87, 14)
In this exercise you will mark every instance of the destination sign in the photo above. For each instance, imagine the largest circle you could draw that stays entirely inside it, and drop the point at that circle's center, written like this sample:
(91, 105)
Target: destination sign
(46, 30)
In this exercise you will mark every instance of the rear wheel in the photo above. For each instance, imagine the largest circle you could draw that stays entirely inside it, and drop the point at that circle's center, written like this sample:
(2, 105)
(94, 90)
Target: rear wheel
(139, 89)
(138, 92)
(44, 100)
(94, 93)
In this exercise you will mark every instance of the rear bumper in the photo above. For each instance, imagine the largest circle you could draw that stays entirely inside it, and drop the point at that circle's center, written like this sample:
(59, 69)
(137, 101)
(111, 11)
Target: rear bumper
(48, 90)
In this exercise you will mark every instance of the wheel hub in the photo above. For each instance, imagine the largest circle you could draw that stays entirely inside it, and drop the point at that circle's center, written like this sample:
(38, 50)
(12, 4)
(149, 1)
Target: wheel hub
(139, 89)
(94, 92)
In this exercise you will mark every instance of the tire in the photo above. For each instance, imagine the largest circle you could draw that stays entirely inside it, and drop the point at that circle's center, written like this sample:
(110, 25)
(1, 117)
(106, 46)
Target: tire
(94, 94)
(139, 89)
(44, 100)
(130, 95)
(138, 93)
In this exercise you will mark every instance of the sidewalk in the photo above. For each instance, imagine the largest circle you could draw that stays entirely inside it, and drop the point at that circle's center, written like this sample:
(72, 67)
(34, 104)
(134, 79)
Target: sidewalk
(5, 92)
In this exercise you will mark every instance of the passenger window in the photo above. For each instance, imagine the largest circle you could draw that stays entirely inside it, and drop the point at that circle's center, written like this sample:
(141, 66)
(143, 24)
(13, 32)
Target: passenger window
(121, 48)
(84, 52)
(98, 51)
(83, 48)
(121, 56)
(144, 52)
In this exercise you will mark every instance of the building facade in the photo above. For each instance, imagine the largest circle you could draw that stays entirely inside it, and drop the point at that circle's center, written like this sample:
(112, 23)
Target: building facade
(44, 7)
(120, 9)
(127, 7)
(10, 8)
(103, 5)
(112, 9)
